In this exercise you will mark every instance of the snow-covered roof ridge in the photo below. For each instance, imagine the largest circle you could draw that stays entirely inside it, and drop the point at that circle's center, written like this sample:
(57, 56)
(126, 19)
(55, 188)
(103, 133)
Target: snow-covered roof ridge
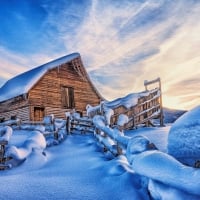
(22, 83)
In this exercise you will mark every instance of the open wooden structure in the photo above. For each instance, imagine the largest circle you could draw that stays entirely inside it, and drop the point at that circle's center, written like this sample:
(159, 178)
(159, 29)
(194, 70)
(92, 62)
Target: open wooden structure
(141, 108)
(53, 88)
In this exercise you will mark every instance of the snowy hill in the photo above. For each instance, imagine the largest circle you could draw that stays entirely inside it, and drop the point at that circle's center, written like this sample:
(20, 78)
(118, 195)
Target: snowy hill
(171, 115)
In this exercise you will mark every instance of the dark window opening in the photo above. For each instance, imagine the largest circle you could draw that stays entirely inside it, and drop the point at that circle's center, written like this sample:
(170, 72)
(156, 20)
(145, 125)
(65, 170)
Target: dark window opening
(67, 97)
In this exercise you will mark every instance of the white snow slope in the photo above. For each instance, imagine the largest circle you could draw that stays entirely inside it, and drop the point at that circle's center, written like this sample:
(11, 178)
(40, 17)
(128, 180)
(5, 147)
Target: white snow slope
(78, 169)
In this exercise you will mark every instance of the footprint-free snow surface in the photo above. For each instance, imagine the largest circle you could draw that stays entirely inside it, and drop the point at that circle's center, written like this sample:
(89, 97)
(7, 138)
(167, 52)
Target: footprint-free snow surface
(74, 169)
(78, 169)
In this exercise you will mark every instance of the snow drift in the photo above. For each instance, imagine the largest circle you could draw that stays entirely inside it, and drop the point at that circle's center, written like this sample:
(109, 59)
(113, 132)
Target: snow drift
(184, 137)
(162, 169)
(36, 142)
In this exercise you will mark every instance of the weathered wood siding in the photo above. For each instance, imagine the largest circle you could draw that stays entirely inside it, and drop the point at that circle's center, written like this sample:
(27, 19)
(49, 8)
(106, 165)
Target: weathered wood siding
(47, 92)
(22, 113)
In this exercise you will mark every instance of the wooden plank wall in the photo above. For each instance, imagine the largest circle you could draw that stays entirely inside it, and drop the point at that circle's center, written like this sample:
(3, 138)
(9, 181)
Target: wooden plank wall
(21, 113)
(47, 92)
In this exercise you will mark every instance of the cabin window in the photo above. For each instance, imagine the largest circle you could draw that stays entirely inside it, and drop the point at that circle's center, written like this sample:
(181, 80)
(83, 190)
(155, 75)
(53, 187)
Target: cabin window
(67, 97)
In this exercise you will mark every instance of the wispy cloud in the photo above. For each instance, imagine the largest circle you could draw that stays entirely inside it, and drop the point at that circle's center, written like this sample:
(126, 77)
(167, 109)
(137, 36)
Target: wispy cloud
(123, 43)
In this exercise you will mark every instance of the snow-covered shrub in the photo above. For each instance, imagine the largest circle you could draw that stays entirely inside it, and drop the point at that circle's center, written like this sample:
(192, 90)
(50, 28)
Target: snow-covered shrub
(184, 137)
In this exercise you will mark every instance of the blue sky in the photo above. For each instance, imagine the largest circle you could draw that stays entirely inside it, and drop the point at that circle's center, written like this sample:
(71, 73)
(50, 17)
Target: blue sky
(121, 42)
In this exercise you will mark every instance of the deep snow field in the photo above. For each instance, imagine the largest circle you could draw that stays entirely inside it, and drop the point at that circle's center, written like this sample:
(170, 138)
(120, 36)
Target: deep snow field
(77, 168)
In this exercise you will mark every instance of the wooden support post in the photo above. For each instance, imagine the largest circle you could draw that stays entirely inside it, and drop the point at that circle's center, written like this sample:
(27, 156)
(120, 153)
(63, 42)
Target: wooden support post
(68, 125)
(56, 134)
(119, 149)
(146, 83)
(161, 106)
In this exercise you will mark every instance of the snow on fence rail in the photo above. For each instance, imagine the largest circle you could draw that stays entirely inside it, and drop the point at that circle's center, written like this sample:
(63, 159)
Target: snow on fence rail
(48, 132)
(141, 108)
(113, 140)
(143, 157)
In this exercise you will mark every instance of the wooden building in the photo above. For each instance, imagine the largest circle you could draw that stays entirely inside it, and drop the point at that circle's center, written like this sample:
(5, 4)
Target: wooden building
(53, 88)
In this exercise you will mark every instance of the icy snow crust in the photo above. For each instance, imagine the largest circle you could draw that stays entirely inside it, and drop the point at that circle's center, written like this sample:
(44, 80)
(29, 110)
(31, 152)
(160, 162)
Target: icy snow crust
(22, 83)
(184, 137)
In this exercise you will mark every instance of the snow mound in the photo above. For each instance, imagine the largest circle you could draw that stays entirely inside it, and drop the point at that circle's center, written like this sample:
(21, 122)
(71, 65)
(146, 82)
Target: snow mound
(184, 138)
(35, 142)
(122, 120)
(162, 191)
(138, 144)
(167, 170)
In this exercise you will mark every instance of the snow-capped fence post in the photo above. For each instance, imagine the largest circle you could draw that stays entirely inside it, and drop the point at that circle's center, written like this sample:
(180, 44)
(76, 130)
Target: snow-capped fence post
(56, 134)
(112, 139)
(75, 120)
(68, 122)
(5, 135)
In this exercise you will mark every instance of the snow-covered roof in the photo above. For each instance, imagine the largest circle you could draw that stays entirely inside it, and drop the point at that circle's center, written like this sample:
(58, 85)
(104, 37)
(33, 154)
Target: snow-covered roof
(22, 83)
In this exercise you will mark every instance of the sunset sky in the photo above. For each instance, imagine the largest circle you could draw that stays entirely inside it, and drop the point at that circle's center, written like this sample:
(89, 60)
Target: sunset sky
(121, 42)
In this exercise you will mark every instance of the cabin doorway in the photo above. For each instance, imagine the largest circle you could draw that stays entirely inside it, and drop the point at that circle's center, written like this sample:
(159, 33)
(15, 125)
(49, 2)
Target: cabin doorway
(38, 113)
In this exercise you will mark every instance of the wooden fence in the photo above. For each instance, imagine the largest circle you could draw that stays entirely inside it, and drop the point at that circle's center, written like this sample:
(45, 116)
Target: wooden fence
(141, 108)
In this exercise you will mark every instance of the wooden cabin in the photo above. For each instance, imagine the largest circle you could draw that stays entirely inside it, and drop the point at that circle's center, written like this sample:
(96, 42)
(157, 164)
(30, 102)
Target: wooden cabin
(53, 88)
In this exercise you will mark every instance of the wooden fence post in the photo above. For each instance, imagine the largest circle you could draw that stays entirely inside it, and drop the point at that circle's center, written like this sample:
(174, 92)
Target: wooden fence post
(146, 83)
